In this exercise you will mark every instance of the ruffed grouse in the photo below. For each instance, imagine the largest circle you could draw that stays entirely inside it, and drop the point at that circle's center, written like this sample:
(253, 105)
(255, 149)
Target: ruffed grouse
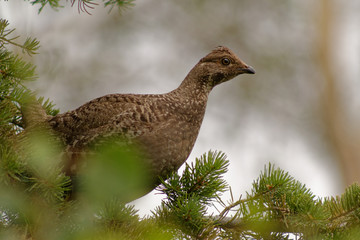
(164, 125)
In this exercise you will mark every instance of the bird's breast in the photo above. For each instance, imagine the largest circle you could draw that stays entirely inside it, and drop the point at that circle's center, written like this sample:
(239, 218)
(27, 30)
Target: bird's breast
(171, 141)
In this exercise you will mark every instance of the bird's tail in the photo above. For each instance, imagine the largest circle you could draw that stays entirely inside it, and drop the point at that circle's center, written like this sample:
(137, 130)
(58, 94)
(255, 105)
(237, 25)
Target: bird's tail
(34, 115)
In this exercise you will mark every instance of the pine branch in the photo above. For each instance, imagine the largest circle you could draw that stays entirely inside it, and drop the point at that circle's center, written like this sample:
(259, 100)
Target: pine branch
(30, 46)
(54, 4)
(122, 5)
(14, 72)
(83, 5)
(14, 164)
(344, 208)
(86, 5)
(268, 212)
(203, 177)
(188, 195)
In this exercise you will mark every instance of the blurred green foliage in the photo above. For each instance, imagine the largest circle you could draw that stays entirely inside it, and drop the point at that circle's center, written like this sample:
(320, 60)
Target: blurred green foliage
(114, 172)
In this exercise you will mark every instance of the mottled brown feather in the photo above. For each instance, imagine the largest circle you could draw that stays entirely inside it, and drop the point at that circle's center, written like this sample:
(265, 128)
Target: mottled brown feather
(164, 125)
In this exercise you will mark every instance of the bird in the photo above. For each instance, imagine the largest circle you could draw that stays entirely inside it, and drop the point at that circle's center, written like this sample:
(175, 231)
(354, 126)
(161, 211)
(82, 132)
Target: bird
(165, 126)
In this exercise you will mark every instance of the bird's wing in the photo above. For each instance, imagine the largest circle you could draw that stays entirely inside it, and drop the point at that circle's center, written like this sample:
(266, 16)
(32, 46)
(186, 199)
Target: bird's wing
(122, 127)
(110, 114)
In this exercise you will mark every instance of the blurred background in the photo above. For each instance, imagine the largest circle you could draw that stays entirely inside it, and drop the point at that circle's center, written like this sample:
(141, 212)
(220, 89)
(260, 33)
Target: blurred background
(299, 111)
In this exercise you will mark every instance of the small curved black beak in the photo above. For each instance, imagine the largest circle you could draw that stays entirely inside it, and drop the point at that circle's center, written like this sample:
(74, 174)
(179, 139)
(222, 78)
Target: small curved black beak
(248, 69)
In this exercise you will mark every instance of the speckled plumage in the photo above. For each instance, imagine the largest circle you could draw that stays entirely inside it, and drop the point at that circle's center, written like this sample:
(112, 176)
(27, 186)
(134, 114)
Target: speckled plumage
(164, 125)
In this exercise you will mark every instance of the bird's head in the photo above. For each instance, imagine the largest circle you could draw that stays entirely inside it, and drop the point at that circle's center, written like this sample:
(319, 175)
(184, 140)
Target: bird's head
(220, 66)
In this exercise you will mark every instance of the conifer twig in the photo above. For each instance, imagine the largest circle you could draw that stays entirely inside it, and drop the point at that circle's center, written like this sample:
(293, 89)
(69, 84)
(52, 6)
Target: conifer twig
(83, 5)
(30, 45)
(344, 213)
(242, 201)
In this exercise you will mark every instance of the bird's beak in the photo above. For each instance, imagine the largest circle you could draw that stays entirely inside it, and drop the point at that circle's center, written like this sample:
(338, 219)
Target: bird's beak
(248, 69)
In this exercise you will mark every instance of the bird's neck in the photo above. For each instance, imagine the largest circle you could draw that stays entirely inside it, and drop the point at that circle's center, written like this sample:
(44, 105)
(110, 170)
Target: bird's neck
(190, 97)
(193, 87)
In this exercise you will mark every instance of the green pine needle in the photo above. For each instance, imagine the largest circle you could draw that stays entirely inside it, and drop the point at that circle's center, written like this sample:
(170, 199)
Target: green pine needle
(30, 45)
(203, 179)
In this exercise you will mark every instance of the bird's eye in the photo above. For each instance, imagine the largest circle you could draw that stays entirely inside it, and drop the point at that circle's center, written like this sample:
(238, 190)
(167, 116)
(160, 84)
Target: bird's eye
(225, 61)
